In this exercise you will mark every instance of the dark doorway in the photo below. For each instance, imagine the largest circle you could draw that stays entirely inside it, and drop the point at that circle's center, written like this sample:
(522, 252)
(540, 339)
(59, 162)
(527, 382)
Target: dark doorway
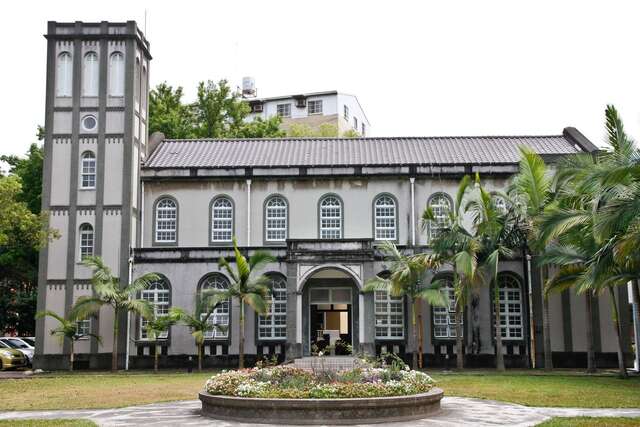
(331, 327)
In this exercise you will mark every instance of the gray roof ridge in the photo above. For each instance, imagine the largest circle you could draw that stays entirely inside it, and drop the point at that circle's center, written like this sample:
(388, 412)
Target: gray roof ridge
(371, 138)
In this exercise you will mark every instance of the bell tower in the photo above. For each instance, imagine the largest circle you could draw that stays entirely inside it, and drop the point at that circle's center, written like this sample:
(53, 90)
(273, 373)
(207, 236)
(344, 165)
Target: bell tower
(96, 134)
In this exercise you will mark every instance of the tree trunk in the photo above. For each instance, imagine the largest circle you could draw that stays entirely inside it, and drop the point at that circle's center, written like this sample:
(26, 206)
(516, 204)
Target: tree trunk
(546, 324)
(71, 357)
(241, 344)
(114, 354)
(420, 334)
(414, 333)
(155, 359)
(459, 349)
(616, 323)
(591, 358)
(199, 357)
(499, 356)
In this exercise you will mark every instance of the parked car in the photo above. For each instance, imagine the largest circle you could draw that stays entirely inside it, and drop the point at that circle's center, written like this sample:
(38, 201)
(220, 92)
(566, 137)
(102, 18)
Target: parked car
(11, 358)
(29, 340)
(21, 346)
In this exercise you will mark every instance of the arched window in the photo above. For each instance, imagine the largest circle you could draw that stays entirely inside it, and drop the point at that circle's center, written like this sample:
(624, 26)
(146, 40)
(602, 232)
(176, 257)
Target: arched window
(220, 315)
(444, 318)
(389, 312)
(274, 324)
(385, 218)
(116, 74)
(64, 74)
(440, 204)
(157, 294)
(88, 170)
(275, 219)
(136, 81)
(221, 220)
(330, 218)
(86, 241)
(143, 91)
(90, 74)
(510, 295)
(166, 221)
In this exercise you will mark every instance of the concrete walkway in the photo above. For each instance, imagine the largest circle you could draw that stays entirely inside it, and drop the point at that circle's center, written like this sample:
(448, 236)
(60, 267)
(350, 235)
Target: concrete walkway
(456, 411)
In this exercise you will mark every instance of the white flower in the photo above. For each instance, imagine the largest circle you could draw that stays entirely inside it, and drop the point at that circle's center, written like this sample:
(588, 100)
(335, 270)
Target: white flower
(320, 353)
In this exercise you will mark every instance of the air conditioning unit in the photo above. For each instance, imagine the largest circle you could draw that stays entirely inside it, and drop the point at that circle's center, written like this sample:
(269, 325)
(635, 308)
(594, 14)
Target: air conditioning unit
(257, 107)
(301, 101)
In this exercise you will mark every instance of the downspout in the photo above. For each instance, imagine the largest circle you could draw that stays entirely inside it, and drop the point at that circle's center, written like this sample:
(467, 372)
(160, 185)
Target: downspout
(248, 212)
(532, 330)
(412, 180)
(126, 358)
(142, 214)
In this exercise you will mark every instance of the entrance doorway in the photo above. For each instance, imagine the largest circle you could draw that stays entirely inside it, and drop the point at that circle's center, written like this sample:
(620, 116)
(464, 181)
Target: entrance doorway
(331, 320)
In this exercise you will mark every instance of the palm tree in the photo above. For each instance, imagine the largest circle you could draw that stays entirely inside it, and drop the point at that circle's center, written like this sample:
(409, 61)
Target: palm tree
(109, 292)
(247, 287)
(459, 247)
(68, 329)
(500, 232)
(405, 280)
(198, 322)
(155, 328)
(531, 191)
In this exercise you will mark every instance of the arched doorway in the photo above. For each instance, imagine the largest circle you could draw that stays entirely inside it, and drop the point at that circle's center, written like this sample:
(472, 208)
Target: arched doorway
(330, 311)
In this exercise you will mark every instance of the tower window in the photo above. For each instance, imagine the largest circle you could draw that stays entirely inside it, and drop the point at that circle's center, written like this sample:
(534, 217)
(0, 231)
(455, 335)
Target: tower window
(64, 73)
(116, 74)
(88, 170)
(86, 241)
(90, 75)
(89, 123)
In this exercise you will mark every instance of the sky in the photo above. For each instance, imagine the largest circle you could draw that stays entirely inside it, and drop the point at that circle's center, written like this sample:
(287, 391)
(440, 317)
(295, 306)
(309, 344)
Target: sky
(418, 68)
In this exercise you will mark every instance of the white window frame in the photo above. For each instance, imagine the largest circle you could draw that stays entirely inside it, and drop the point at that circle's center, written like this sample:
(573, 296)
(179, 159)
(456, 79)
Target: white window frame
(364, 127)
(314, 107)
(222, 218)
(221, 315)
(389, 316)
(90, 74)
(346, 113)
(331, 224)
(444, 318)
(355, 123)
(276, 219)
(88, 171)
(64, 74)
(86, 241)
(284, 110)
(159, 296)
(166, 221)
(116, 74)
(441, 212)
(273, 326)
(83, 327)
(511, 307)
(383, 214)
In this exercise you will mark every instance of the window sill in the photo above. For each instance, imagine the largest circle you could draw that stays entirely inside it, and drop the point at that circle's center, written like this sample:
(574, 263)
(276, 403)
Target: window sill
(87, 189)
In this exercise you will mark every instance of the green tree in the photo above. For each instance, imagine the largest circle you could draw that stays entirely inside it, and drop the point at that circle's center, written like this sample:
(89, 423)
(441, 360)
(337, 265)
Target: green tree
(198, 322)
(167, 113)
(155, 328)
(325, 130)
(500, 233)
(247, 286)
(531, 190)
(262, 128)
(406, 279)
(29, 170)
(68, 329)
(109, 292)
(458, 247)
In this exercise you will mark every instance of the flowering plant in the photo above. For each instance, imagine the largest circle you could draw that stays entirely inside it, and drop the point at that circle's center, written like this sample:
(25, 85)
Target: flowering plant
(294, 383)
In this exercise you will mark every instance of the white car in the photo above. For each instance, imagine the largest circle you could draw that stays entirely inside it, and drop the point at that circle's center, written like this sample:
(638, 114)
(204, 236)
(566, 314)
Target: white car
(21, 346)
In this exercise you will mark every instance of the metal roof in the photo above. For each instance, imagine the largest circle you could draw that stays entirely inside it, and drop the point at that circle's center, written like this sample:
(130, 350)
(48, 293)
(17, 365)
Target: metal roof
(341, 152)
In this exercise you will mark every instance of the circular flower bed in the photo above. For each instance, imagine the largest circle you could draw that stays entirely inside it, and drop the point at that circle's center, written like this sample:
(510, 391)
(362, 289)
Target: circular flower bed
(288, 382)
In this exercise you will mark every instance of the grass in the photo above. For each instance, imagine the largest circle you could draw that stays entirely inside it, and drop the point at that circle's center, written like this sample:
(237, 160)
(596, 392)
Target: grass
(106, 390)
(568, 390)
(47, 423)
(590, 422)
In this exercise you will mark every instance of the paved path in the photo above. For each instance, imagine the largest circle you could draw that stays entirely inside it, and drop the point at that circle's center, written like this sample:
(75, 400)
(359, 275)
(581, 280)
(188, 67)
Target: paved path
(456, 411)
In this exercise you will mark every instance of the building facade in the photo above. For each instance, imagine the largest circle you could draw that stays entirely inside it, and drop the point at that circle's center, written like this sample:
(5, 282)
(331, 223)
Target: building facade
(321, 206)
(313, 110)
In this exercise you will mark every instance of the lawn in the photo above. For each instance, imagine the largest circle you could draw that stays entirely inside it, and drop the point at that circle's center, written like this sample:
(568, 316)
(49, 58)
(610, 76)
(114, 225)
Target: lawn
(590, 422)
(47, 423)
(556, 389)
(106, 390)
